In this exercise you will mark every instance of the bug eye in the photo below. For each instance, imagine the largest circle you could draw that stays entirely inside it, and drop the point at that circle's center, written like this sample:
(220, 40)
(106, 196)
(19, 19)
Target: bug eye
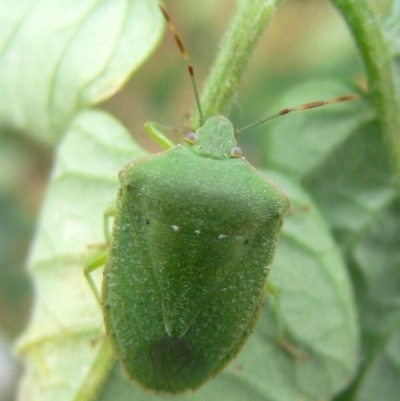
(236, 152)
(191, 137)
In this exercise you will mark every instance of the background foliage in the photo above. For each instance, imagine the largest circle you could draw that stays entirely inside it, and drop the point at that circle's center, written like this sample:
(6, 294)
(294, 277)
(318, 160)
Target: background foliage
(337, 267)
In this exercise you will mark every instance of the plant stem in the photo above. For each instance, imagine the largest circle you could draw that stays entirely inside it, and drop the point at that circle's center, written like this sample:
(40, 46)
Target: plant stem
(376, 54)
(247, 25)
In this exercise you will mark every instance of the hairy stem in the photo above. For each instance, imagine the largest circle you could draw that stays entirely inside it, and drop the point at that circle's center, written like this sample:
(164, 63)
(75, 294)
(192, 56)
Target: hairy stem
(247, 25)
(375, 51)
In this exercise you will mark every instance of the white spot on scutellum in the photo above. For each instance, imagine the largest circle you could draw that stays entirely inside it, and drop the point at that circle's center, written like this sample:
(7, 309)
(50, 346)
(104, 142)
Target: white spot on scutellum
(175, 228)
(197, 232)
(221, 236)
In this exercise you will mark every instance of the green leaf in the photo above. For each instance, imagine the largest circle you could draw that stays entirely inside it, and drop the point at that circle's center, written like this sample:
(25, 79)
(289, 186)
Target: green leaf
(355, 184)
(349, 174)
(382, 379)
(65, 338)
(58, 57)
(316, 300)
(342, 159)
(376, 264)
(355, 189)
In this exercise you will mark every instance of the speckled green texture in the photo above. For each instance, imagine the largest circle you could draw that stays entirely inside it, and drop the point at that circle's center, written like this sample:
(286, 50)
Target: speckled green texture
(193, 240)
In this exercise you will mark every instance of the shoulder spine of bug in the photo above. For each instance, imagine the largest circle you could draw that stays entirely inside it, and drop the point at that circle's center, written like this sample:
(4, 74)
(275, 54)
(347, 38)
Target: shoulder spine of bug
(194, 236)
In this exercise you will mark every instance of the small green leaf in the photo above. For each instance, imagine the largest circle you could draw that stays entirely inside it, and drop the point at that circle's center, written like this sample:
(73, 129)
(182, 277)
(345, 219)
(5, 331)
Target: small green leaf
(57, 58)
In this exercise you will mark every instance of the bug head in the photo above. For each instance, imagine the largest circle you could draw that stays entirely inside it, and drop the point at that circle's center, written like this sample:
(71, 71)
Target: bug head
(215, 138)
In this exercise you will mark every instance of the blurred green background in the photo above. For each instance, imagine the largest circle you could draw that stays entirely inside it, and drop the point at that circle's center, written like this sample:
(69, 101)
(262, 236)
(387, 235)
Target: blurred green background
(307, 40)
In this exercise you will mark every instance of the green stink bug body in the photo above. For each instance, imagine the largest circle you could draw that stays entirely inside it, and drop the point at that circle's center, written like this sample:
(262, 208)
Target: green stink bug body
(194, 235)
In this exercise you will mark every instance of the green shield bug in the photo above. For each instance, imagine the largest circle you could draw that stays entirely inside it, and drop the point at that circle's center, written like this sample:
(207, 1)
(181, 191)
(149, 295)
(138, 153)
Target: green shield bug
(194, 235)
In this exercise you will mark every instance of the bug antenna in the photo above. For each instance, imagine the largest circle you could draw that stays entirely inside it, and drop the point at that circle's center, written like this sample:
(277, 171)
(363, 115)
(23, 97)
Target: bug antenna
(305, 106)
(185, 56)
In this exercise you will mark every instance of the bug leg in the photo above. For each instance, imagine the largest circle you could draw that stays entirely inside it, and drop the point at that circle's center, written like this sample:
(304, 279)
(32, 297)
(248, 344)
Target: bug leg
(98, 261)
(281, 339)
(155, 132)
(100, 258)
(108, 214)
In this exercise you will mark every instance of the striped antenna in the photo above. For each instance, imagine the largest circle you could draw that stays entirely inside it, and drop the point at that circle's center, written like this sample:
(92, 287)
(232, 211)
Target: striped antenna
(305, 106)
(185, 56)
